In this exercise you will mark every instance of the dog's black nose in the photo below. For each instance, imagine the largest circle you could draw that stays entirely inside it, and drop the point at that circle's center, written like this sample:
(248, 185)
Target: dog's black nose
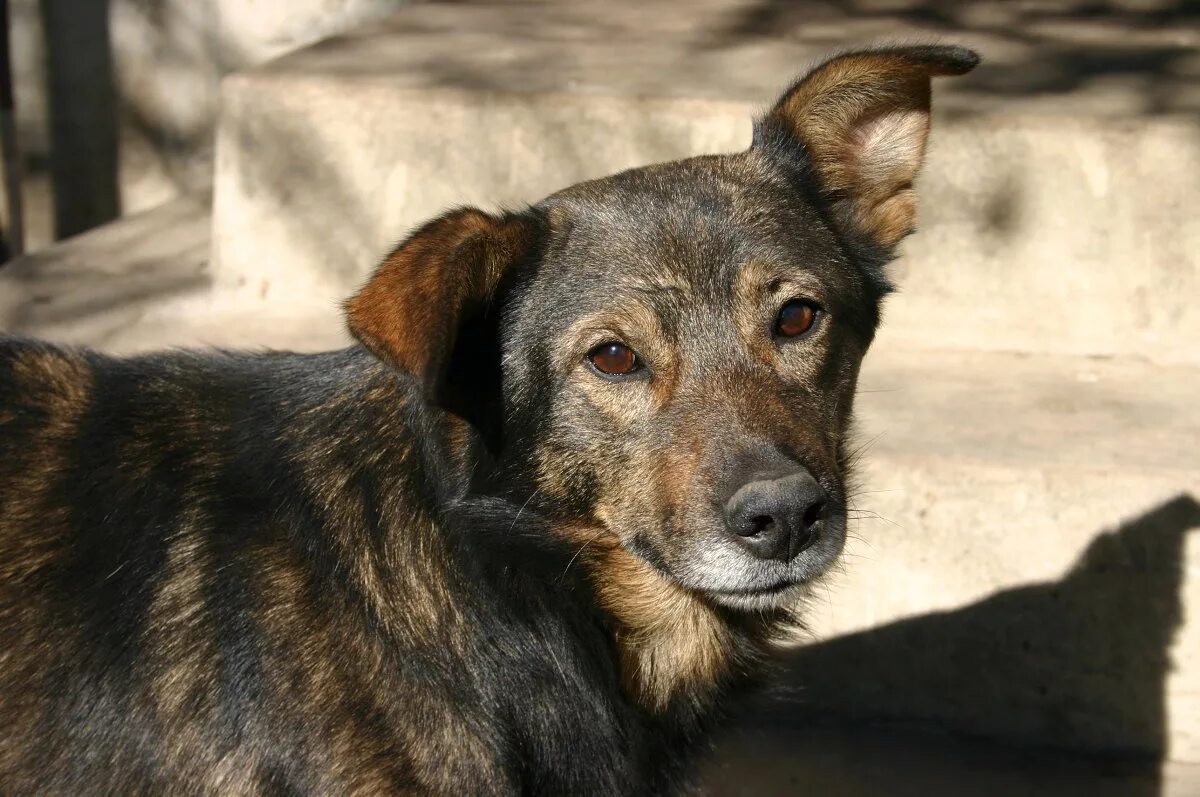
(777, 518)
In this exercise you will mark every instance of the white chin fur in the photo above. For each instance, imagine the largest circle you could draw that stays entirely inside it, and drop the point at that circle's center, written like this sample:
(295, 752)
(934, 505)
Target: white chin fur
(757, 601)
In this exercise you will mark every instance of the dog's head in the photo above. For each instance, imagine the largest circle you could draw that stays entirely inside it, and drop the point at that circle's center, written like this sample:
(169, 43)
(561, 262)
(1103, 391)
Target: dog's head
(670, 354)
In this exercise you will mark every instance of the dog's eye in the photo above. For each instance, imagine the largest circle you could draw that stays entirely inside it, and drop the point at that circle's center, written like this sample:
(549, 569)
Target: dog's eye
(795, 318)
(614, 359)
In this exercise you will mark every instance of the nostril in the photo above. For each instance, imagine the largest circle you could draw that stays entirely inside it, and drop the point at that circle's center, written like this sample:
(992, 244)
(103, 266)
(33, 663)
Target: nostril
(757, 525)
(813, 514)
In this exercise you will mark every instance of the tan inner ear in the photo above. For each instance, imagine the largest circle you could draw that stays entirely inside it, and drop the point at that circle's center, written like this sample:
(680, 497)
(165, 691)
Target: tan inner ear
(864, 121)
(884, 155)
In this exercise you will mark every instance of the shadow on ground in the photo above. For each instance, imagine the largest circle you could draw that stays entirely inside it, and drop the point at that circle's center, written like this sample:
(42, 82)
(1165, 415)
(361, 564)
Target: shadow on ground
(1079, 663)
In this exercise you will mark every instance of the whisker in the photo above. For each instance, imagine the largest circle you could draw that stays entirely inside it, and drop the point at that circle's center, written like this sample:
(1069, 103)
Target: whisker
(864, 514)
(863, 540)
(522, 509)
(590, 540)
(857, 454)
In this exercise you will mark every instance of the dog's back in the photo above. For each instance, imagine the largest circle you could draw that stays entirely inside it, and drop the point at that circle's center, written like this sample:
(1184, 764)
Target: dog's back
(194, 559)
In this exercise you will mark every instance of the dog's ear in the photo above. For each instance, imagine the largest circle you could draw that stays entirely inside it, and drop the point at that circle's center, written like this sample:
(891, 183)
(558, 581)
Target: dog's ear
(858, 124)
(411, 311)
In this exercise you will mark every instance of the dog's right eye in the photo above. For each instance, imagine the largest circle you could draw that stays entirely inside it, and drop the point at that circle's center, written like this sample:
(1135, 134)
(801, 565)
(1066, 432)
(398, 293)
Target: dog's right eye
(614, 359)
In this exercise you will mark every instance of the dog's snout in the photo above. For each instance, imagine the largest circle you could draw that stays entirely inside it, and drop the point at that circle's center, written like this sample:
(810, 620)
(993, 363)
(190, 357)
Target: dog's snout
(777, 518)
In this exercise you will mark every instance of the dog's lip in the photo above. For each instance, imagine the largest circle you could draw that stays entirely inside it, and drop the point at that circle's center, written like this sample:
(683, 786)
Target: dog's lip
(774, 589)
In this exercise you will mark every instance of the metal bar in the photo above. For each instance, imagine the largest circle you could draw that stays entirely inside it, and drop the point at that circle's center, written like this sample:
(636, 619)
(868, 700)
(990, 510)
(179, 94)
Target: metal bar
(10, 149)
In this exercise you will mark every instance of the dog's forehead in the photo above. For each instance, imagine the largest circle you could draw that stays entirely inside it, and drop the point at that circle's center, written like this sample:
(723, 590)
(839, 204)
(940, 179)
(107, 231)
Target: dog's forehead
(690, 224)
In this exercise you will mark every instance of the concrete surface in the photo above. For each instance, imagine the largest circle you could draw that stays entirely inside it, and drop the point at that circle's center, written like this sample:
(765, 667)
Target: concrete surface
(143, 283)
(1053, 221)
(170, 56)
(98, 284)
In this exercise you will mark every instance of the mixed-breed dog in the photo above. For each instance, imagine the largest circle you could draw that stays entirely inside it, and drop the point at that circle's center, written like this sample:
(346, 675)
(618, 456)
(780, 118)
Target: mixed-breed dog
(533, 536)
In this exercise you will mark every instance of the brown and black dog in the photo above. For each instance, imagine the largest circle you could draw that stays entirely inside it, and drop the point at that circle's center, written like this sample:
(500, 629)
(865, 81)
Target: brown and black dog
(530, 537)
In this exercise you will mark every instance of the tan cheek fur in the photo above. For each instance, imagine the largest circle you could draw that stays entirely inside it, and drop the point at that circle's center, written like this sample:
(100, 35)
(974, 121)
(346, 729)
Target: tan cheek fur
(672, 645)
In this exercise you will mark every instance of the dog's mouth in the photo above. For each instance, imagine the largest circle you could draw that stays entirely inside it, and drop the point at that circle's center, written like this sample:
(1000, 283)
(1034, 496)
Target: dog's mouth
(774, 589)
(730, 578)
(764, 598)
(717, 570)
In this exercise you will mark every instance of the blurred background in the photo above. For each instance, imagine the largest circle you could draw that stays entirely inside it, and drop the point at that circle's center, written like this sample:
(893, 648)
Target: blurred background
(1019, 610)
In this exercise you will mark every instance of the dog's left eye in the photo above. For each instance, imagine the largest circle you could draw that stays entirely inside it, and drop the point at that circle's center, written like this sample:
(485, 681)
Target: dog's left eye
(795, 318)
(614, 359)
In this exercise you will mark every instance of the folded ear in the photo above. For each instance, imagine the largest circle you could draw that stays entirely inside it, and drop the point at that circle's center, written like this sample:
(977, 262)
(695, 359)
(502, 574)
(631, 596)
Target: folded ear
(410, 311)
(859, 123)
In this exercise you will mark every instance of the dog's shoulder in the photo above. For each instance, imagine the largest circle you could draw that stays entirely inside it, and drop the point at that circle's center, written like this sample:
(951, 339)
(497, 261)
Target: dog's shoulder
(32, 371)
(255, 437)
(272, 387)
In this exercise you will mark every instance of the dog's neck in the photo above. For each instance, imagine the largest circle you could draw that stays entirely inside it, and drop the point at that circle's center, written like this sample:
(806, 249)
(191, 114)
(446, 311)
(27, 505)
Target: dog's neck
(676, 650)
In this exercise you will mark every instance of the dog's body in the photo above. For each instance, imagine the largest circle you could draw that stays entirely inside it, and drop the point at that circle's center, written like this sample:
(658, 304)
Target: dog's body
(495, 549)
(215, 595)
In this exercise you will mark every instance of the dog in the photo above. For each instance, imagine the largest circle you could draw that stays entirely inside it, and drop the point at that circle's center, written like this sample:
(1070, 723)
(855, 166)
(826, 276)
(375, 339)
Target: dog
(534, 535)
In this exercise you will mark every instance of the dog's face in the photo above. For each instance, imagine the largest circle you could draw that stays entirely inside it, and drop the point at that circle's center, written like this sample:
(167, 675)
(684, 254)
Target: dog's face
(682, 361)
(670, 354)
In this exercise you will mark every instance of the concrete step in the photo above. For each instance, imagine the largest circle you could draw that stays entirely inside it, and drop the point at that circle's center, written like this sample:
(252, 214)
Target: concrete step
(1022, 566)
(1054, 210)
(95, 286)
(143, 283)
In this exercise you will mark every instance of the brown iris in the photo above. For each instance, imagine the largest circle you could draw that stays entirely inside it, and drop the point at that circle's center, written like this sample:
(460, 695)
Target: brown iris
(614, 359)
(795, 318)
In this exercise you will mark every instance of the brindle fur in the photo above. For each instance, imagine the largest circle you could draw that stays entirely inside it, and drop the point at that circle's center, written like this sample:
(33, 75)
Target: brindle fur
(454, 560)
